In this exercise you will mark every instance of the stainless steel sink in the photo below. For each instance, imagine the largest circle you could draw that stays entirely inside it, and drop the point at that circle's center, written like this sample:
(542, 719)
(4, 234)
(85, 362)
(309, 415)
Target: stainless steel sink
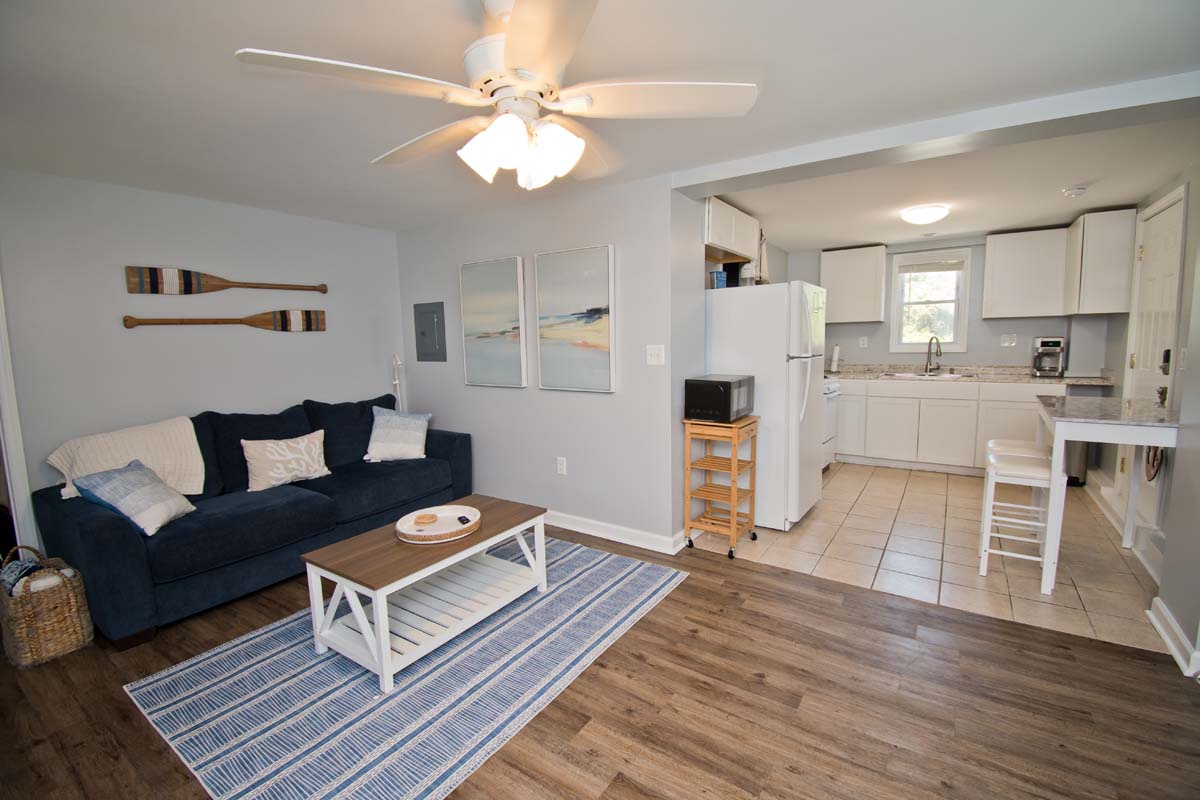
(924, 376)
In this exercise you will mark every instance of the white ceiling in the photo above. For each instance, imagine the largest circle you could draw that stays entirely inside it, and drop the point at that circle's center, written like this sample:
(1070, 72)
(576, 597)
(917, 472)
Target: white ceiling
(147, 92)
(1017, 186)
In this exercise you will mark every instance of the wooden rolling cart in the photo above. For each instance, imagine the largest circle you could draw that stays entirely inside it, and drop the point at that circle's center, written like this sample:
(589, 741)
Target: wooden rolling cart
(721, 501)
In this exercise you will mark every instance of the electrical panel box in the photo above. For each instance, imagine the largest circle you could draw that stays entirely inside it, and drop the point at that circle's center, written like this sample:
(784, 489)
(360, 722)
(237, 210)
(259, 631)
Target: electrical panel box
(429, 320)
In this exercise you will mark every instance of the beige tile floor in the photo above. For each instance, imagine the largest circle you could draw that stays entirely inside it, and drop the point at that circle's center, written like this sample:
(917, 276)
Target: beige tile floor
(916, 534)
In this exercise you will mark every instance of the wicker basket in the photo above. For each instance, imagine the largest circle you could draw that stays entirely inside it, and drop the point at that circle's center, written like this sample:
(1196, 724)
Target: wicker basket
(48, 623)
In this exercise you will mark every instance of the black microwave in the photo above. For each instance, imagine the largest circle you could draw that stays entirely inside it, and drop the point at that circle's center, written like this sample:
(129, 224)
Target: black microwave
(718, 398)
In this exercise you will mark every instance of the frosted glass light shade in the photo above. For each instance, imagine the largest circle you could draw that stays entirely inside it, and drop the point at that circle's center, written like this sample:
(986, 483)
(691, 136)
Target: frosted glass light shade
(509, 138)
(924, 215)
(557, 147)
(479, 155)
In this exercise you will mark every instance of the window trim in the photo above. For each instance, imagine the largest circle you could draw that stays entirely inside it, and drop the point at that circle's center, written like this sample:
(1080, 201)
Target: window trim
(962, 300)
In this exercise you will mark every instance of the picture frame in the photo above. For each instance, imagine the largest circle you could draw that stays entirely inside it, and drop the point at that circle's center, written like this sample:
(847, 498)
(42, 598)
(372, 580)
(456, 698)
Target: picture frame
(492, 306)
(576, 299)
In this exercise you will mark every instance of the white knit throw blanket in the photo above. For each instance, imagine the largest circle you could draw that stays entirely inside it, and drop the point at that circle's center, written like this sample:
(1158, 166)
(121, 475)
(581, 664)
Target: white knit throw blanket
(168, 447)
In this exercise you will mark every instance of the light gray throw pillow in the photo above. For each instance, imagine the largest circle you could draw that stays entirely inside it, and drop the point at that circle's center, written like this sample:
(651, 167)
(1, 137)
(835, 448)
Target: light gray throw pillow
(396, 435)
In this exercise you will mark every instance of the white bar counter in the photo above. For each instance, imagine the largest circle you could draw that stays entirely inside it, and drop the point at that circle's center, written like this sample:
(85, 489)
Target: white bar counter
(1111, 420)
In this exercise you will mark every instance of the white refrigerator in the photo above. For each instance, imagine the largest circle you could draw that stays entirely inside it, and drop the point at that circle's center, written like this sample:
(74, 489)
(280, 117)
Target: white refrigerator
(776, 333)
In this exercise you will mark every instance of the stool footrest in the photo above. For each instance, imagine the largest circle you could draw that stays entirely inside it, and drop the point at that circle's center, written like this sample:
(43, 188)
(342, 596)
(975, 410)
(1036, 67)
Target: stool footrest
(1011, 538)
(1013, 522)
(1007, 554)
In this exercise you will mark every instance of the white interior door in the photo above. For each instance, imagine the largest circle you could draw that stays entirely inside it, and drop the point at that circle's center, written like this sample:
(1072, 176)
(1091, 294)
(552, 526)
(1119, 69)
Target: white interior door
(1153, 326)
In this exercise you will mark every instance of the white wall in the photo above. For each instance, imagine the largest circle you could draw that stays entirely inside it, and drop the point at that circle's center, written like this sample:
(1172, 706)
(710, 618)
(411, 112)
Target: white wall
(64, 245)
(617, 445)
(687, 349)
(805, 265)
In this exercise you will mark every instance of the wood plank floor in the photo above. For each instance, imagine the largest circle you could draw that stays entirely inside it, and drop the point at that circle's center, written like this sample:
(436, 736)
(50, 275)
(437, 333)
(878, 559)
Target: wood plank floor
(748, 681)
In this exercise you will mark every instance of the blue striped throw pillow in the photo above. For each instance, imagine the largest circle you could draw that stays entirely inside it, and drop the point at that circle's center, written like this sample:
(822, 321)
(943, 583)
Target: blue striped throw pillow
(136, 493)
(396, 435)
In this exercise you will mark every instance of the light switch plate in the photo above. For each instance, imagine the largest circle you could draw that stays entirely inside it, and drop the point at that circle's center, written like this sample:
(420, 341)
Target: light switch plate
(862, 342)
(1008, 340)
(656, 355)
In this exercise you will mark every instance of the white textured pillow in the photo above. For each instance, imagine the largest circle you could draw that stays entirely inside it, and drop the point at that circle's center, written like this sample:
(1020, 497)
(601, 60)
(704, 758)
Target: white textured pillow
(168, 448)
(274, 462)
(396, 435)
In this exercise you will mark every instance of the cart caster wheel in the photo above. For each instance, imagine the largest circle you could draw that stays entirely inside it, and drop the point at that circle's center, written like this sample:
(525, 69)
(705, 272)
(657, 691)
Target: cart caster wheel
(754, 536)
(731, 552)
(690, 542)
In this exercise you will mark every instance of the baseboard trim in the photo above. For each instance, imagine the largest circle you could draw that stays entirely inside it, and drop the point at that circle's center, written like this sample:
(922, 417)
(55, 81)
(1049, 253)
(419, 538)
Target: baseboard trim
(1186, 656)
(659, 543)
(916, 465)
(1102, 492)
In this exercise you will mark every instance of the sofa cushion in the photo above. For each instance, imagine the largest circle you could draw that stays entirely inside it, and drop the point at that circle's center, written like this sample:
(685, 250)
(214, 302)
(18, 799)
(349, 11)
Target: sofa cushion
(230, 527)
(347, 427)
(359, 490)
(230, 429)
(208, 451)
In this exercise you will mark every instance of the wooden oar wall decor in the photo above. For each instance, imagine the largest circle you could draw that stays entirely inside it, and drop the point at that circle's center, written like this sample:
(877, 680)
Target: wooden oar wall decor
(170, 280)
(289, 320)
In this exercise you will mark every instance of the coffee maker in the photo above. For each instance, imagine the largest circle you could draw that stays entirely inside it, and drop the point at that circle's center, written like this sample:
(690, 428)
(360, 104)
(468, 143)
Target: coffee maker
(1049, 356)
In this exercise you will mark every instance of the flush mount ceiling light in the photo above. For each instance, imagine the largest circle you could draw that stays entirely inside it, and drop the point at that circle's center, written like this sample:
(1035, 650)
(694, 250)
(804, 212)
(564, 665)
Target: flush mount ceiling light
(925, 215)
(1074, 191)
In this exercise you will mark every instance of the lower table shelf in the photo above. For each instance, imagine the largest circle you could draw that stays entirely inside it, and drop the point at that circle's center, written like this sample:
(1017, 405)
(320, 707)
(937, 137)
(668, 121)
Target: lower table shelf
(425, 615)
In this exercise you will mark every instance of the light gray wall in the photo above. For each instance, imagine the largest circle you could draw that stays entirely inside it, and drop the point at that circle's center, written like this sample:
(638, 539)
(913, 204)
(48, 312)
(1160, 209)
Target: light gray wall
(687, 349)
(618, 446)
(983, 335)
(805, 265)
(777, 262)
(1180, 585)
(64, 245)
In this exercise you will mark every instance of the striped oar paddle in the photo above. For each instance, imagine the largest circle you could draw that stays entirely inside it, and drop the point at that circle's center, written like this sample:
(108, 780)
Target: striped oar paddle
(169, 280)
(292, 320)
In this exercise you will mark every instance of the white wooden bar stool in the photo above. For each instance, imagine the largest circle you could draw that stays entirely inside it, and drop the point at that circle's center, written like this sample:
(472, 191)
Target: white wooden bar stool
(1018, 447)
(1028, 521)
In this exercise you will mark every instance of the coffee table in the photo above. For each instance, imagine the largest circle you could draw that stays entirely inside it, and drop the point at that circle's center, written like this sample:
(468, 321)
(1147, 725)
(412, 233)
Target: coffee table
(406, 600)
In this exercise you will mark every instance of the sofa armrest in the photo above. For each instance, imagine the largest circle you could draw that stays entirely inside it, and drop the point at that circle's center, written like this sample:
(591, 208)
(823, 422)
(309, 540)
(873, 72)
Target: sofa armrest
(456, 449)
(110, 553)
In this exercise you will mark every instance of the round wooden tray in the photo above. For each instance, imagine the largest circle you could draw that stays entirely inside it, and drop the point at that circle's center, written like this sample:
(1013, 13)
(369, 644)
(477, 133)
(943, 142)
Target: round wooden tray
(446, 526)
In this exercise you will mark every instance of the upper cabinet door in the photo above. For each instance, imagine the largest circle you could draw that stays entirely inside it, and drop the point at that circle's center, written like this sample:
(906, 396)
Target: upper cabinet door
(1074, 268)
(1107, 263)
(855, 283)
(732, 232)
(719, 228)
(1024, 274)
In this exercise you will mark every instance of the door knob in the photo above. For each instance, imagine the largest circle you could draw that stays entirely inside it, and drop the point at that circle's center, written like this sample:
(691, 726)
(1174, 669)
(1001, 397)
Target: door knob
(1161, 391)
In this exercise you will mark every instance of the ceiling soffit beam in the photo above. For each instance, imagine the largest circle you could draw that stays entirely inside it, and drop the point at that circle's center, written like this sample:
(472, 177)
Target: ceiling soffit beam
(1122, 105)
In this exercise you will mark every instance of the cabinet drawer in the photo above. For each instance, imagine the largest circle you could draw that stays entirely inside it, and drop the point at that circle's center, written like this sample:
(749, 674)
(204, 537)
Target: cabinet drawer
(1020, 392)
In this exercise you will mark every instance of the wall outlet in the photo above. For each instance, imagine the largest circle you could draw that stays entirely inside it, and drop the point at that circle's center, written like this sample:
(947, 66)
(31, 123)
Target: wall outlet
(862, 342)
(562, 465)
(1008, 340)
(656, 355)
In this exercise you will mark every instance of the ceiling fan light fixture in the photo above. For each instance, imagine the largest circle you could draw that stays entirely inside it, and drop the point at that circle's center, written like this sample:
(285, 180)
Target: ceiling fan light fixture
(508, 136)
(557, 147)
(479, 155)
(926, 214)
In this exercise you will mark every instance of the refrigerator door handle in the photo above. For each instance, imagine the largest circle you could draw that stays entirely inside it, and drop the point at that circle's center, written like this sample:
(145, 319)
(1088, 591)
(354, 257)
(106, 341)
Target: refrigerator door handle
(807, 383)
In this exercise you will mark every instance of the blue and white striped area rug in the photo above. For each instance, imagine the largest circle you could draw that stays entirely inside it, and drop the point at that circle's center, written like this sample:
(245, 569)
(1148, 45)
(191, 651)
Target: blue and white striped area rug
(264, 716)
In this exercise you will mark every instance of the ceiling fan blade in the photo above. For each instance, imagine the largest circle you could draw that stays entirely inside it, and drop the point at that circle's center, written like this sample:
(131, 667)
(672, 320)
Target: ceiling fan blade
(542, 34)
(402, 82)
(599, 158)
(427, 143)
(657, 99)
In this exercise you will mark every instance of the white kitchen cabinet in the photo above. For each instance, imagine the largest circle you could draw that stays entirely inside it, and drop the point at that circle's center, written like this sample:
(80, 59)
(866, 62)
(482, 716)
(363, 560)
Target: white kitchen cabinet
(892, 428)
(947, 432)
(730, 235)
(1024, 274)
(1003, 419)
(1099, 269)
(855, 282)
(851, 425)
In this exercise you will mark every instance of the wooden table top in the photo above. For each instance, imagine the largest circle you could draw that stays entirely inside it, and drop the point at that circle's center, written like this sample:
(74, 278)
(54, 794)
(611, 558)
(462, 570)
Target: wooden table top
(376, 558)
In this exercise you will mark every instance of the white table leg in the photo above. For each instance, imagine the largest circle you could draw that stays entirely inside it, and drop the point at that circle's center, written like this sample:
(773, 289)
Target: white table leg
(1130, 530)
(316, 602)
(383, 640)
(1054, 513)
(539, 548)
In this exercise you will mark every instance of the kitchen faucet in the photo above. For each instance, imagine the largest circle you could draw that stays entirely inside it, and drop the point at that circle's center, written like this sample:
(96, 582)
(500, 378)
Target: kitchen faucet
(929, 355)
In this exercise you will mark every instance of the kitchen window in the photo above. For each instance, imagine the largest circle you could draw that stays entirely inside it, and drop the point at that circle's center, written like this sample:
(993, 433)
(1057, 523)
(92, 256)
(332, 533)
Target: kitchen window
(930, 298)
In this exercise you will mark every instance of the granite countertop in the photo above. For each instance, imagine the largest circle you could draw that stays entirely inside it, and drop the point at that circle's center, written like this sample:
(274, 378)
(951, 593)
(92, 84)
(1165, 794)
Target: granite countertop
(974, 374)
(1112, 410)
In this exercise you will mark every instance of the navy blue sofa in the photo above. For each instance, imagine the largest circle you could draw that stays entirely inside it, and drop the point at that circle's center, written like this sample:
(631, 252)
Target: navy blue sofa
(236, 541)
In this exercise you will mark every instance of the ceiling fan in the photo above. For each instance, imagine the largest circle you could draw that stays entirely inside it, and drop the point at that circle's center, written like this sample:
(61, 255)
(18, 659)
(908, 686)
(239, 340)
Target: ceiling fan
(517, 71)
